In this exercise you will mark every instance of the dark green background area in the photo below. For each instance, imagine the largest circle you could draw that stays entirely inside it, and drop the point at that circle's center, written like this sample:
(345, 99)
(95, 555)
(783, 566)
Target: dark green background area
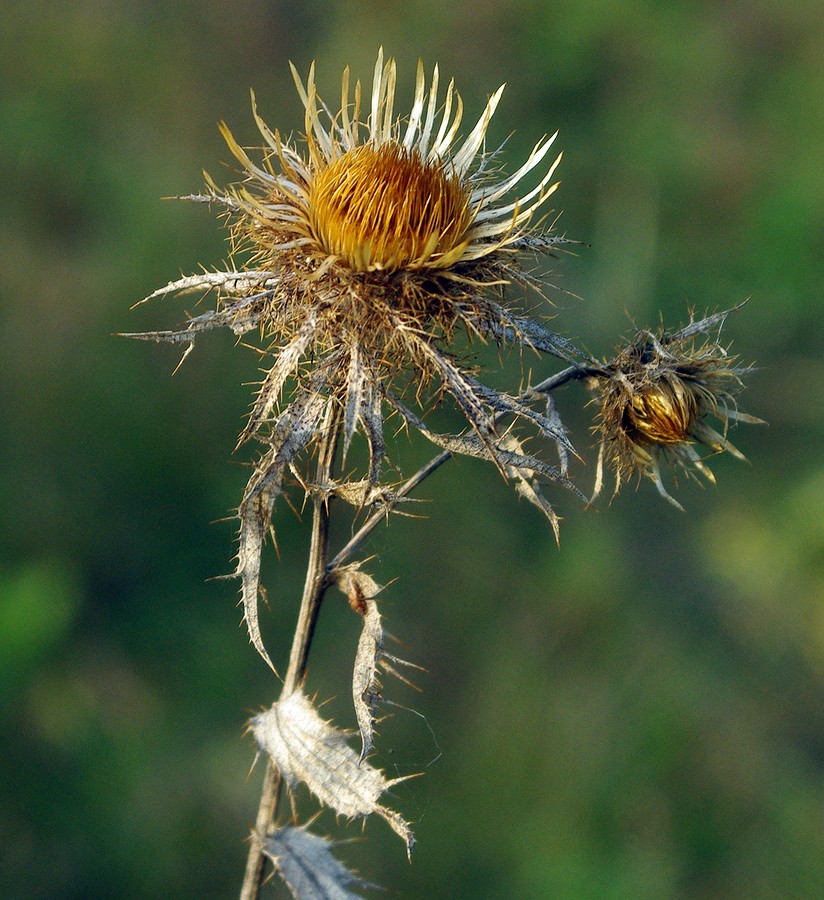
(638, 714)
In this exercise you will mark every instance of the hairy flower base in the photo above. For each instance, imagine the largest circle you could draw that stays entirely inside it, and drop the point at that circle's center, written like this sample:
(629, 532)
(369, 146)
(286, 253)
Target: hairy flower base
(385, 208)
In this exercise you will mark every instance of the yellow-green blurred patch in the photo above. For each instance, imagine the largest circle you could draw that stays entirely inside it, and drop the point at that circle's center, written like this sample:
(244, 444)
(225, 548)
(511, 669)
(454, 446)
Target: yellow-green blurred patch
(37, 606)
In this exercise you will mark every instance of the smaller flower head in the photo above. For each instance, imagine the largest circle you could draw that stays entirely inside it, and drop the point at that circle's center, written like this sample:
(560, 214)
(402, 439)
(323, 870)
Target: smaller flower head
(655, 399)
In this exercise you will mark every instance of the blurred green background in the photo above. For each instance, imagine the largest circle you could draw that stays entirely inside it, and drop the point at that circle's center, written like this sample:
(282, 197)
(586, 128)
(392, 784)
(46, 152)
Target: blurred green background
(637, 714)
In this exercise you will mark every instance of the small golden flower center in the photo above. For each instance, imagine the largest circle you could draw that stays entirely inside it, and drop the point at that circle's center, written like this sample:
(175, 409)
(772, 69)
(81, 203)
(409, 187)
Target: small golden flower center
(384, 208)
(664, 413)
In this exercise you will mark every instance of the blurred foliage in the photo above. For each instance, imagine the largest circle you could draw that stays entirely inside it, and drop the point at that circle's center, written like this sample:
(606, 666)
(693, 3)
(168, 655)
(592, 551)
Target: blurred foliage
(638, 714)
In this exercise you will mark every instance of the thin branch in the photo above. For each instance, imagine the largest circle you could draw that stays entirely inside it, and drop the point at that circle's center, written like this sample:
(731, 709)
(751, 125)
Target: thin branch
(256, 861)
(573, 373)
(377, 517)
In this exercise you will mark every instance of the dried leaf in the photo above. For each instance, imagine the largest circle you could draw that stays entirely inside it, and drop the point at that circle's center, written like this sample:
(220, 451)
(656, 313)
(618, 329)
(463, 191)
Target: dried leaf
(307, 749)
(307, 866)
(530, 333)
(703, 325)
(359, 494)
(288, 358)
(293, 431)
(366, 688)
(460, 386)
(354, 396)
(457, 383)
(554, 417)
(372, 418)
(233, 282)
(355, 493)
(255, 514)
(241, 314)
(527, 488)
(550, 425)
(470, 445)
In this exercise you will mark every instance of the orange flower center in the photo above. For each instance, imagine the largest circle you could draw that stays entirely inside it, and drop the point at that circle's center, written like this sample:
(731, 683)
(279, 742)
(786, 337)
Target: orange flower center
(384, 208)
(664, 413)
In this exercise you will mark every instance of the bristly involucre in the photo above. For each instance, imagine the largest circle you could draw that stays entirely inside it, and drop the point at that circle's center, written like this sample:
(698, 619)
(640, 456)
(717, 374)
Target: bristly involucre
(655, 397)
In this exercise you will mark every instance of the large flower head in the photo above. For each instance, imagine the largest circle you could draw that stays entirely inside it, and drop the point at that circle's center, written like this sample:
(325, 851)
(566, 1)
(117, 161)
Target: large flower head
(375, 239)
(368, 247)
(385, 195)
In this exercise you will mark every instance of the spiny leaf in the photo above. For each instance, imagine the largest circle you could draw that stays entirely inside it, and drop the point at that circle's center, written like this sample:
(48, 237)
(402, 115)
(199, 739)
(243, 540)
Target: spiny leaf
(529, 490)
(562, 446)
(470, 445)
(288, 358)
(372, 417)
(241, 315)
(458, 384)
(235, 282)
(703, 325)
(366, 688)
(354, 396)
(306, 749)
(550, 425)
(530, 333)
(359, 494)
(294, 430)
(307, 866)
(255, 514)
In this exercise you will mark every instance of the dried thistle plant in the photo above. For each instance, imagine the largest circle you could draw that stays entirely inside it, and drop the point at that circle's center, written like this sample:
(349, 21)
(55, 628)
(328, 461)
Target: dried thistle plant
(365, 256)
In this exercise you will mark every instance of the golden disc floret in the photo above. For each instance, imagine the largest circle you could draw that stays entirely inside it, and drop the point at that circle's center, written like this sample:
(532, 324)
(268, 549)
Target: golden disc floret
(385, 208)
(664, 413)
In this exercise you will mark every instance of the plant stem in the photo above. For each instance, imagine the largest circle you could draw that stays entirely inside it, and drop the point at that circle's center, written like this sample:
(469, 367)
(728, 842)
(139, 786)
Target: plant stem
(320, 574)
(314, 588)
(256, 861)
